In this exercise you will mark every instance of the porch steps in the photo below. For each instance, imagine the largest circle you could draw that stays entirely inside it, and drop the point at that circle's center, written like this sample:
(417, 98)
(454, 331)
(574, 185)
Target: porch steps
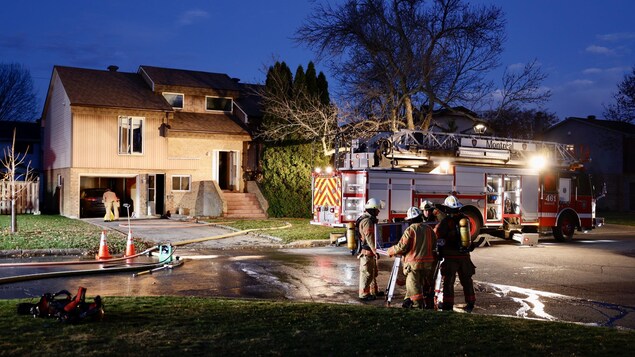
(243, 205)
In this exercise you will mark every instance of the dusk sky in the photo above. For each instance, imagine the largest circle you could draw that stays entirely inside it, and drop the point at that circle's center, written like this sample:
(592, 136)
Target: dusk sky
(585, 46)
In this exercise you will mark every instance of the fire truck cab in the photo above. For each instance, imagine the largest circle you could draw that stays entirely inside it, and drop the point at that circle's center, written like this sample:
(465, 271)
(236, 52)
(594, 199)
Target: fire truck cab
(513, 186)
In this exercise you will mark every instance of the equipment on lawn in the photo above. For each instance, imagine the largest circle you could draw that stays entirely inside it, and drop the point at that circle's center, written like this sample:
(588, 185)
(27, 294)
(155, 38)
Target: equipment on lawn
(65, 308)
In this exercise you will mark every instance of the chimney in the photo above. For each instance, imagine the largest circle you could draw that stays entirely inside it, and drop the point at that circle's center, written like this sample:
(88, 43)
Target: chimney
(236, 80)
(113, 68)
(591, 117)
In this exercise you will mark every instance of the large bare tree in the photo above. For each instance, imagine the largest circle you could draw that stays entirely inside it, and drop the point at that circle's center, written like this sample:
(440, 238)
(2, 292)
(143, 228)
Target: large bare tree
(397, 55)
(17, 97)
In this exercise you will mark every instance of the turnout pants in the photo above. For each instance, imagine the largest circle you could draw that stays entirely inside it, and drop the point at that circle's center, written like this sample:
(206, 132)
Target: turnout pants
(367, 276)
(464, 267)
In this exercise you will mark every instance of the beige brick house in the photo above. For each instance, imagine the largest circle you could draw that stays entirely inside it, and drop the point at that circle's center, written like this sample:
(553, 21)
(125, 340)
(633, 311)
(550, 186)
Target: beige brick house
(162, 139)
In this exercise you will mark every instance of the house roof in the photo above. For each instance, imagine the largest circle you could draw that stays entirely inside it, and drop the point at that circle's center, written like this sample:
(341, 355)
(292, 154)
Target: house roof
(101, 88)
(207, 123)
(614, 125)
(186, 78)
(250, 100)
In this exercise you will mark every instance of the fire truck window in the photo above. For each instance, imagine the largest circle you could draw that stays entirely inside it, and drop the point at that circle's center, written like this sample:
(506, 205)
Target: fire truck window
(549, 183)
(584, 185)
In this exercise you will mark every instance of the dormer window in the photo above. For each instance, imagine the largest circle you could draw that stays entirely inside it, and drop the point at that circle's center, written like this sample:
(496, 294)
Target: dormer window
(175, 99)
(219, 104)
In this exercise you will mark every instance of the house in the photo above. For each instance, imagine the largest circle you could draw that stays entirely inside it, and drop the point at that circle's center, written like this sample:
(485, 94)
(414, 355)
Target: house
(27, 147)
(164, 140)
(608, 148)
(459, 120)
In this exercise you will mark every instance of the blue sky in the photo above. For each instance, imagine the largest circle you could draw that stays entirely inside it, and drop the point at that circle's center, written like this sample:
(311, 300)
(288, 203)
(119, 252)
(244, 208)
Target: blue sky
(585, 46)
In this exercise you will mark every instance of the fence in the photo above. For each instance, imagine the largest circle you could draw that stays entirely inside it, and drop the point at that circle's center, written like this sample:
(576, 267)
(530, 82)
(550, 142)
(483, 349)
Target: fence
(28, 200)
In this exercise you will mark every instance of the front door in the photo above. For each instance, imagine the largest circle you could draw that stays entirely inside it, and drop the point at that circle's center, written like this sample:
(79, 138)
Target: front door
(156, 193)
(225, 168)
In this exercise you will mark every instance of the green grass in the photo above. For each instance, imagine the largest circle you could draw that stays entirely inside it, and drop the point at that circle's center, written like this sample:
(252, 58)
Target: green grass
(300, 229)
(57, 232)
(623, 218)
(166, 326)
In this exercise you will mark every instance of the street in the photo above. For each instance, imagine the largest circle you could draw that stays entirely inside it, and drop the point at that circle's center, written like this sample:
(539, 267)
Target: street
(590, 280)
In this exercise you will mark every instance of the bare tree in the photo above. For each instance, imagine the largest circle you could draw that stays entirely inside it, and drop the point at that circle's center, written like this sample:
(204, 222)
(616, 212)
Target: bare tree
(16, 169)
(399, 54)
(17, 98)
(624, 107)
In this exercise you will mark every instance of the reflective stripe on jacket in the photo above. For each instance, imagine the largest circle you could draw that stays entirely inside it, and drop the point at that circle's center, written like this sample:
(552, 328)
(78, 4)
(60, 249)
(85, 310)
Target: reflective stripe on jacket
(416, 245)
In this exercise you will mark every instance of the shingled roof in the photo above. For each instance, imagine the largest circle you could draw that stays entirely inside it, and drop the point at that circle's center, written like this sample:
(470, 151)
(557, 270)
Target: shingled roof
(98, 88)
(187, 78)
(620, 126)
(207, 123)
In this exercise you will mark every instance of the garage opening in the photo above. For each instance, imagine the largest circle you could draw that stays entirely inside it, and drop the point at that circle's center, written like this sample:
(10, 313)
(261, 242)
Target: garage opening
(93, 188)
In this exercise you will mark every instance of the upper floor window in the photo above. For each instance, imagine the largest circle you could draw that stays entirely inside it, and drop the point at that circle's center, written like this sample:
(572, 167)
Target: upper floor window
(130, 135)
(181, 183)
(219, 104)
(175, 99)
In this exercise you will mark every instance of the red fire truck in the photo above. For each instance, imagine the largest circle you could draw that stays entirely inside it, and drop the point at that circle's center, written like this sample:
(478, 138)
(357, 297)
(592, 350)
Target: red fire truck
(509, 185)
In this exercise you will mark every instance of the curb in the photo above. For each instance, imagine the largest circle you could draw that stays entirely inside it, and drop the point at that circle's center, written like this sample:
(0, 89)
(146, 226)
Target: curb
(24, 253)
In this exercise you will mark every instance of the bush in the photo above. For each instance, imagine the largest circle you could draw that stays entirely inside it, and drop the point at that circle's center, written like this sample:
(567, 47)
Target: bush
(286, 180)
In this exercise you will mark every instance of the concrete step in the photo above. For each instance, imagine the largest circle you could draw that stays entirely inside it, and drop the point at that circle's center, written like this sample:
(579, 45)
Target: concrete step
(243, 205)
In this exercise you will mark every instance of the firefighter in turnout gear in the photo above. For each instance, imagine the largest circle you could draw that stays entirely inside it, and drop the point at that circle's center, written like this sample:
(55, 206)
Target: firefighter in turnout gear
(456, 254)
(418, 246)
(430, 212)
(368, 257)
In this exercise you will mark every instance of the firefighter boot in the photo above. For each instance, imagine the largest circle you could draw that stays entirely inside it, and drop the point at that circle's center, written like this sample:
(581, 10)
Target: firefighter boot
(407, 303)
(469, 307)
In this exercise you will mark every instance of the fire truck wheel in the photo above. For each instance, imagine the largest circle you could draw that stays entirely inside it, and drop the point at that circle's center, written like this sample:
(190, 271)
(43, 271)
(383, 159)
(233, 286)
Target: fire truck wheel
(563, 231)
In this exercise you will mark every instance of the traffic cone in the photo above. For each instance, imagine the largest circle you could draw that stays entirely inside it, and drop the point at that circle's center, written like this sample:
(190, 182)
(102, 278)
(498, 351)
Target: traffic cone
(103, 248)
(130, 246)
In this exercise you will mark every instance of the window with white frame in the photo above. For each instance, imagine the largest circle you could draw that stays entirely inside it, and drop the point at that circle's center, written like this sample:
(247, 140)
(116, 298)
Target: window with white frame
(175, 99)
(130, 135)
(181, 182)
(219, 104)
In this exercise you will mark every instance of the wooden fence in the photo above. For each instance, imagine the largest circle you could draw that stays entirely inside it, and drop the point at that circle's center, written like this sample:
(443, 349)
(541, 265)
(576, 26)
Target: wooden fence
(28, 200)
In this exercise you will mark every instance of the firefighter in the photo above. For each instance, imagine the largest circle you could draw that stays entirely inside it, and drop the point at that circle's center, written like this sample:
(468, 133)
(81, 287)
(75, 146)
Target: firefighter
(455, 253)
(112, 206)
(368, 257)
(430, 212)
(418, 247)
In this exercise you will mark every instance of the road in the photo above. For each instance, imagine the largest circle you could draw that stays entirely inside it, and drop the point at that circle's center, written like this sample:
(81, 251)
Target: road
(590, 280)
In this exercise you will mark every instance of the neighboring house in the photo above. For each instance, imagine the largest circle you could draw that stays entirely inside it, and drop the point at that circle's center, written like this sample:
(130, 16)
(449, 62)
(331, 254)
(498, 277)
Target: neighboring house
(27, 142)
(609, 148)
(459, 120)
(162, 139)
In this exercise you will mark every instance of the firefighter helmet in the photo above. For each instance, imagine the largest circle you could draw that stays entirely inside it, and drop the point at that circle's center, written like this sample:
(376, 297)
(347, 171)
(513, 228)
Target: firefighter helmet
(373, 203)
(452, 202)
(426, 205)
(451, 205)
(413, 212)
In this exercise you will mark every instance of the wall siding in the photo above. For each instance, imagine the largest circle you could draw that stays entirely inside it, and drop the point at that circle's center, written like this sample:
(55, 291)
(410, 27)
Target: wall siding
(57, 129)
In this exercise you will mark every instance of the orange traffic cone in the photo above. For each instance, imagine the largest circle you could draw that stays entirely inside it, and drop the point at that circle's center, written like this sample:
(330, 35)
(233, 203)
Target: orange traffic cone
(130, 246)
(103, 248)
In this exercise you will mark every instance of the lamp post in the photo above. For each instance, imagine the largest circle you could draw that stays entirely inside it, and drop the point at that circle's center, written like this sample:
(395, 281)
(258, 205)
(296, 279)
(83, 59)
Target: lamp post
(479, 128)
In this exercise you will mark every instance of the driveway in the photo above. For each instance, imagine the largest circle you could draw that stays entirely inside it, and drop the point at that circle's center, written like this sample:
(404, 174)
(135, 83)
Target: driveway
(163, 231)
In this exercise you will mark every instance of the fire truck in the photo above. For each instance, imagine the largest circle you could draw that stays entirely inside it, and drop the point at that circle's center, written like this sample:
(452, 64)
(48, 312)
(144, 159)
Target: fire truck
(508, 185)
